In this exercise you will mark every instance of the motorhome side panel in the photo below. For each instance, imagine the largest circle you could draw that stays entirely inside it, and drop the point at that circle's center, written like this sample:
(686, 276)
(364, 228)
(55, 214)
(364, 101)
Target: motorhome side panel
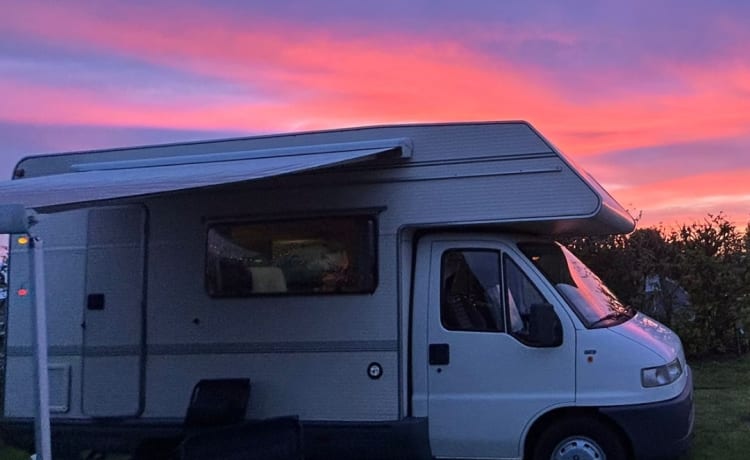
(305, 354)
(496, 190)
(65, 254)
(94, 270)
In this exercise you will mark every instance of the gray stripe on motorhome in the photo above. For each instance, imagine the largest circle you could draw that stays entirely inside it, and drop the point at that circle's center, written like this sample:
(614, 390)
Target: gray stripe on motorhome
(275, 347)
(220, 348)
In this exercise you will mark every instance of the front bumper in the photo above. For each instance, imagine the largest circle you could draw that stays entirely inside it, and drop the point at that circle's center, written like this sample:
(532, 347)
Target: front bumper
(660, 430)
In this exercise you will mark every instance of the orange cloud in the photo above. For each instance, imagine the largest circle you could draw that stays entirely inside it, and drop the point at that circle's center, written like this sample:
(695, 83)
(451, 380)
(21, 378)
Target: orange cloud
(691, 198)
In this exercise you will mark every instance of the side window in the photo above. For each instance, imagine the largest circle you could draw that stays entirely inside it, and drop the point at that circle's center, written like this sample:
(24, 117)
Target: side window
(520, 295)
(470, 298)
(298, 257)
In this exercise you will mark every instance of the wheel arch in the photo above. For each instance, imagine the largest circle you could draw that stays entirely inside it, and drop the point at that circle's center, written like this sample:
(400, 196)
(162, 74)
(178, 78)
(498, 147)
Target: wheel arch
(555, 416)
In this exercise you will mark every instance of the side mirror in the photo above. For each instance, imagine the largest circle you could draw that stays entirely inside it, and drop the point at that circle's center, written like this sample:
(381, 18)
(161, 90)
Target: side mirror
(545, 329)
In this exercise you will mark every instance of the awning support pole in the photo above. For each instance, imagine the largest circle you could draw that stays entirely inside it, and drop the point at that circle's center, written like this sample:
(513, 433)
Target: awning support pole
(42, 430)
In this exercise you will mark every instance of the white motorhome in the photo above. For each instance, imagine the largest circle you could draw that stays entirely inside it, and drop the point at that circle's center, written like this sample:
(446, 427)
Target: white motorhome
(397, 288)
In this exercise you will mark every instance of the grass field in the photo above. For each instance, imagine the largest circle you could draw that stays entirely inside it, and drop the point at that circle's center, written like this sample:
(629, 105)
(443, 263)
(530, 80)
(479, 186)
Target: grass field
(722, 409)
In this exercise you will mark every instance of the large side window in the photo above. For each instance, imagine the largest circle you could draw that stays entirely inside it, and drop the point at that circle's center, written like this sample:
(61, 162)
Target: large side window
(302, 256)
(520, 296)
(471, 297)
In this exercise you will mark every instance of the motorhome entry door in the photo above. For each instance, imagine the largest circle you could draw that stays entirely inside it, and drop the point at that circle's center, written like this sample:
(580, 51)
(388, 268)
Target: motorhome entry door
(113, 311)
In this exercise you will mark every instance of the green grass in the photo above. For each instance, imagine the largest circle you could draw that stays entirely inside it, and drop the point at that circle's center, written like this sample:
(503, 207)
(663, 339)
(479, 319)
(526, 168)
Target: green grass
(722, 409)
(11, 453)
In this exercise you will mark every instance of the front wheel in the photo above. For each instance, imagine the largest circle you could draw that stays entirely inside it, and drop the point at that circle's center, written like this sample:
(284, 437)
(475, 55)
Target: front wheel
(579, 439)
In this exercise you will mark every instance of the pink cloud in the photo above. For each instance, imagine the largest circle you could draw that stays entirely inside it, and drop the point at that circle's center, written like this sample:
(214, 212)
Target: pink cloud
(314, 75)
(315, 78)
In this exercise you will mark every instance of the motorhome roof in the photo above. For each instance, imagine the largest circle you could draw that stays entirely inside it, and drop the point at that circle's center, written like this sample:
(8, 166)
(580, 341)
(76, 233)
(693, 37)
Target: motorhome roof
(64, 181)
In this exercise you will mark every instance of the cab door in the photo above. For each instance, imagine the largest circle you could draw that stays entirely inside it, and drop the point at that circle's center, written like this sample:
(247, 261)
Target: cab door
(486, 378)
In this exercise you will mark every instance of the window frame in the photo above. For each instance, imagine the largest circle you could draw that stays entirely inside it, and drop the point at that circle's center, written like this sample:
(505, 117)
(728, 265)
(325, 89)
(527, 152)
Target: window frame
(367, 219)
(499, 253)
(522, 338)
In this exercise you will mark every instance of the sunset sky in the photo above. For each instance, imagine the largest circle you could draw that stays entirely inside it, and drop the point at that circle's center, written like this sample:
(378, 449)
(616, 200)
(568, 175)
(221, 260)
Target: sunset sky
(651, 97)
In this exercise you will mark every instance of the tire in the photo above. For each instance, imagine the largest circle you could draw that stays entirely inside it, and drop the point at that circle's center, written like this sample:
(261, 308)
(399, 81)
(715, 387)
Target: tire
(579, 438)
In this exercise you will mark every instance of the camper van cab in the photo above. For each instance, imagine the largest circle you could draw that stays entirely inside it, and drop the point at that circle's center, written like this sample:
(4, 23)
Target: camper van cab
(564, 353)
(397, 289)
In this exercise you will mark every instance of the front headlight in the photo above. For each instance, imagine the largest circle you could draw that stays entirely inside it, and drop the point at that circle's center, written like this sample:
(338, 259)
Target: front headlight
(662, 375)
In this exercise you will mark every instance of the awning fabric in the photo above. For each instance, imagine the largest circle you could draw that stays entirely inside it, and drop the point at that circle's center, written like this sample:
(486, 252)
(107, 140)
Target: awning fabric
(129, 178)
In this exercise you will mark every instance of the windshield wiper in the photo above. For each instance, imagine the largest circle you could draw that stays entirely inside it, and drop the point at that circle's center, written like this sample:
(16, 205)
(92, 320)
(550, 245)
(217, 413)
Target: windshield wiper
(610, 316)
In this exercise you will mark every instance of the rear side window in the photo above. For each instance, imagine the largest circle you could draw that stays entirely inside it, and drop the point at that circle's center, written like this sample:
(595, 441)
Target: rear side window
(302, 256)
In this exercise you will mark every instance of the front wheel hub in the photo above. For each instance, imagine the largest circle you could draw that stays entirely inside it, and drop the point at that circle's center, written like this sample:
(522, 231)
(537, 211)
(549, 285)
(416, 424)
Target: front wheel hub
(578, 448)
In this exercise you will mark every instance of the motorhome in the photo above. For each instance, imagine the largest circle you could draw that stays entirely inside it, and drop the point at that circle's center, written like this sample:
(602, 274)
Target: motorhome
(398, 289)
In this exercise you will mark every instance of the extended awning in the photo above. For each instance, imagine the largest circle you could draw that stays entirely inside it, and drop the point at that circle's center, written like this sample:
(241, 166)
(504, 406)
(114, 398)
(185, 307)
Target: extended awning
(99, 181)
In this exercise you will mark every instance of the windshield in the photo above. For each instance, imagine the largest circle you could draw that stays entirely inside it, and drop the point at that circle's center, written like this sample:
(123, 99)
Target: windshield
(586, 294)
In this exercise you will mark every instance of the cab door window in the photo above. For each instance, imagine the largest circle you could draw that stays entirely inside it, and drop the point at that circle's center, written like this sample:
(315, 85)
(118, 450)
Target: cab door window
(471, 296)
(520, 296)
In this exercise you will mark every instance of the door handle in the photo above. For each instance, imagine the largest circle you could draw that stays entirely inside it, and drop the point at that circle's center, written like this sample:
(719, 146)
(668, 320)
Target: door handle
(440, 354)
(95, 302)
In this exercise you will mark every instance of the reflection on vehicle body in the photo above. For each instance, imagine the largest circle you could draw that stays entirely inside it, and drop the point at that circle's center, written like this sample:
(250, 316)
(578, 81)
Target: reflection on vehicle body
(590, 299)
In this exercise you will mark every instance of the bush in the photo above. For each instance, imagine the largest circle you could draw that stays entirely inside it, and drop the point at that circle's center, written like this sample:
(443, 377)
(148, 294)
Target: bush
(709, 261)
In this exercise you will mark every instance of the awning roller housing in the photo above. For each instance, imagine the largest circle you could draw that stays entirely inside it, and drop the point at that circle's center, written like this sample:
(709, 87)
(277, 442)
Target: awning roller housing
(99, 181)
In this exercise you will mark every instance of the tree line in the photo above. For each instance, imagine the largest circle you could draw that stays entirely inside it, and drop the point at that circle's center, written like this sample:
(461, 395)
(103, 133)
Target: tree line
(695, 279)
